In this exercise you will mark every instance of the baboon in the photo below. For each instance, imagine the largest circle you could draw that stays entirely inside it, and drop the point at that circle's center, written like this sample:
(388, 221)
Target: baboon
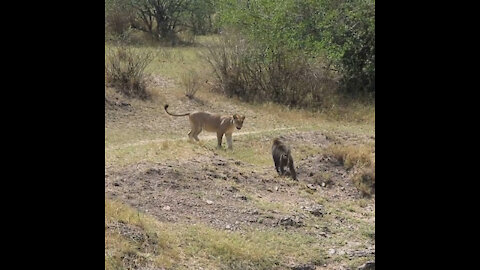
(282, 157)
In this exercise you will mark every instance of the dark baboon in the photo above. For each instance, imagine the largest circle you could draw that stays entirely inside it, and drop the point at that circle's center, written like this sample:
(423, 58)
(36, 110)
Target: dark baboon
(282, 157)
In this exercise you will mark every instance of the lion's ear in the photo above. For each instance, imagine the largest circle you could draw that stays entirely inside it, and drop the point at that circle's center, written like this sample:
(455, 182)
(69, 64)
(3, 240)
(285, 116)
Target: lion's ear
(235, 116)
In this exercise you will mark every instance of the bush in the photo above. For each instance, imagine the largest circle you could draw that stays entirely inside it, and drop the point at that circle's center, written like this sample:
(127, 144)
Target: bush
(125, 71)
(191, 83)
(359, 158)
(246, 71)
(341, 31)
(364, 180)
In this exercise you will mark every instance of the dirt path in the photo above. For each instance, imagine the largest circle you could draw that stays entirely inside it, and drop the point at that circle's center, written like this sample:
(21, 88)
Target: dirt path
(207, 137)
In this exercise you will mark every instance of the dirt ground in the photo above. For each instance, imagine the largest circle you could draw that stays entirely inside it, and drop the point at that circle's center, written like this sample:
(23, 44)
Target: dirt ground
(231, 194)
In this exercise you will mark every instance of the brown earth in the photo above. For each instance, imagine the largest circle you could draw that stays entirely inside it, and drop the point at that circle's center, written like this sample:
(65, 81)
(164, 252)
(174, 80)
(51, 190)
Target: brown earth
(226, 193)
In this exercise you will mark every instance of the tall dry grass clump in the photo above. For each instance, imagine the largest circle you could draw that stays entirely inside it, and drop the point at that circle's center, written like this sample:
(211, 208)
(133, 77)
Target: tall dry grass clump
(125, 70)
(247, 71)
(191, 82)
(361, 160)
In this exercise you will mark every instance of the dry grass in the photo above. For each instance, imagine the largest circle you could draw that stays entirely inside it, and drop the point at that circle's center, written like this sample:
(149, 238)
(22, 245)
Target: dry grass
(364, 180)
(191, 82)
(360, 158)
(139, 241)
(352, 155)
(125, 70)
(176, 245)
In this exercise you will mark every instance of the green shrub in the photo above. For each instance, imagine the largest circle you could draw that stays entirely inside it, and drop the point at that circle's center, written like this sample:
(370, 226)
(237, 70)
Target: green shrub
(340, 31)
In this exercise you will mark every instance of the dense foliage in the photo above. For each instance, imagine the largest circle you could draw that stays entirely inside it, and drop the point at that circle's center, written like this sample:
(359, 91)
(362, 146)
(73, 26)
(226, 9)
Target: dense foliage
(336, 35)
(339, 31)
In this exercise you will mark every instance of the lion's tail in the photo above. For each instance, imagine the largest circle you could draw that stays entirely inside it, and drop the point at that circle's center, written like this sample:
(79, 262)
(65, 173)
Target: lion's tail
(166, 106)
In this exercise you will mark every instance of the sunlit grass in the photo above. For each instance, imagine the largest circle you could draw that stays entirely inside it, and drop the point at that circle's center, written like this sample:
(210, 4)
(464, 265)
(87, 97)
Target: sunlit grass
(181, 243)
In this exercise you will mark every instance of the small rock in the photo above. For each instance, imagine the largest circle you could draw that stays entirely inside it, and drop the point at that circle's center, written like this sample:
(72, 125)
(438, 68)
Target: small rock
(303, 267)
(317, 212)
(166, 208)
(232, 189)
(209, 202)
(276, 188)
(323, 184)
(331, 251)
(291, 221)
(370, 265)
(228, 227)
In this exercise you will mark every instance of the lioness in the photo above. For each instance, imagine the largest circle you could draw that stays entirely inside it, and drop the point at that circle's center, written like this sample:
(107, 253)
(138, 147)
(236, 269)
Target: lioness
(212, 122)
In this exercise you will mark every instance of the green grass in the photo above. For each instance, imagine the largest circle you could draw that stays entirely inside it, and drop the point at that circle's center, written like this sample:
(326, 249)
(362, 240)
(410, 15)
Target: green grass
(160, 250)
(180, 244)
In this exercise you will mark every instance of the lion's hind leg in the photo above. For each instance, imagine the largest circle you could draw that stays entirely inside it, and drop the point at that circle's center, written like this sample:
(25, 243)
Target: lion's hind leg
(195, 134)
(190, 135)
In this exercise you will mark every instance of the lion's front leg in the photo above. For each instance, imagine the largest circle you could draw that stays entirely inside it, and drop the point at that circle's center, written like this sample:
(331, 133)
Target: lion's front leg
(219, 138)
(229, 140)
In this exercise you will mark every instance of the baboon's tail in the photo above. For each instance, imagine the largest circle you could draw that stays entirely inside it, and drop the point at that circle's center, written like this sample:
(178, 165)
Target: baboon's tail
(166, 106)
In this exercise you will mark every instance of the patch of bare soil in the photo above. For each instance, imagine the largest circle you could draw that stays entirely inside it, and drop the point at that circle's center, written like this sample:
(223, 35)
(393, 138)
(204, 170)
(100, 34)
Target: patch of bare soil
(326, 173)
(201, 189)
(225, 192)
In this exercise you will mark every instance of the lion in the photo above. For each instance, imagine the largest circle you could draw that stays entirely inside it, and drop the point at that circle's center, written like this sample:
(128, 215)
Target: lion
(212, 122)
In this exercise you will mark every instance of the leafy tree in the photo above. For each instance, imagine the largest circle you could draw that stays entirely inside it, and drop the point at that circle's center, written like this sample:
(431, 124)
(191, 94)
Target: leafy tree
(200, 16)
(340, 31)
(159, 17)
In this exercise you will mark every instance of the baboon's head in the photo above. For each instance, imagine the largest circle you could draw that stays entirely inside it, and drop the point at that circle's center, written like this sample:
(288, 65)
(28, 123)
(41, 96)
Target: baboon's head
(238, 120)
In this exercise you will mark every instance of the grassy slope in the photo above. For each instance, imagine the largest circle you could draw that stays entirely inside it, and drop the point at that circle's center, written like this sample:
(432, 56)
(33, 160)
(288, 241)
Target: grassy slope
(185, 246)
